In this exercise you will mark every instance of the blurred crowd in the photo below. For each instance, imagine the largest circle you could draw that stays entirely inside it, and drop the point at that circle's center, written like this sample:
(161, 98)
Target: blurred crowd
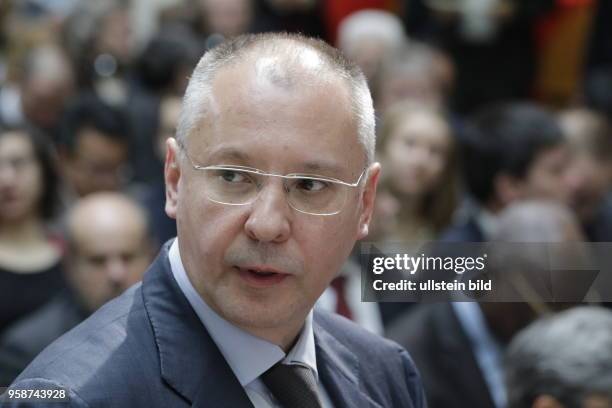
(493, 124)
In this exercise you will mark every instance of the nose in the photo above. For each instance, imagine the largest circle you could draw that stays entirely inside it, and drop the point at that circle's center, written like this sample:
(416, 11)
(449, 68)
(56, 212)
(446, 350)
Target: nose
(269, 219)
(420, 155)
(116, 270)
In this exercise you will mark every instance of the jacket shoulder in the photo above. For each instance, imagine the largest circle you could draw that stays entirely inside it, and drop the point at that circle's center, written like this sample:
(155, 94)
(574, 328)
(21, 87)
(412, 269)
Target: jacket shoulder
(385, 367)
(109, 351)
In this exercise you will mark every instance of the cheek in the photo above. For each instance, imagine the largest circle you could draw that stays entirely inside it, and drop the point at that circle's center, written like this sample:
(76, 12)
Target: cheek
(136, 269)
(545, 182)
(436, 169)
(397, 156)
(32, 185)
(327, 245)
(91, 279)
(206, 227)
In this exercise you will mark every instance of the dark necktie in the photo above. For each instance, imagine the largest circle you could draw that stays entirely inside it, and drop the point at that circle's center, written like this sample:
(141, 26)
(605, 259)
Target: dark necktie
(342, 307)
(294, 386)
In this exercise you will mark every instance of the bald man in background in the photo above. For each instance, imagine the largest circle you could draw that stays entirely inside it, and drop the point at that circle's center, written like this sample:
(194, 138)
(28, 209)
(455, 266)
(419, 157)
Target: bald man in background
(109, 250)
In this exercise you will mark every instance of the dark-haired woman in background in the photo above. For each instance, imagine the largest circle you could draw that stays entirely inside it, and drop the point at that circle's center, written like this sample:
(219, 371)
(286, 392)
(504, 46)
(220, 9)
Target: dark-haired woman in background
(30, 255)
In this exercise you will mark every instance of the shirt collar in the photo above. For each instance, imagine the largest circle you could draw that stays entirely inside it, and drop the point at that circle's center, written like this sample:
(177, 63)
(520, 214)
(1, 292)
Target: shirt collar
(247, 355)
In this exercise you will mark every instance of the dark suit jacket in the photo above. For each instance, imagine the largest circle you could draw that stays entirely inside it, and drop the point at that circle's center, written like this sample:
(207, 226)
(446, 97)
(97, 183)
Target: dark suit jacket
(24, 340)
(147, 348)
(433, 336)
(466, 231)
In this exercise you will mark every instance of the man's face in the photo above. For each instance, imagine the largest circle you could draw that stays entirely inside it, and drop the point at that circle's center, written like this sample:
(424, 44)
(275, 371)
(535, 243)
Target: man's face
(97, 163)
(43, 100)
(257, 124)
(110, 253)
(547, 176)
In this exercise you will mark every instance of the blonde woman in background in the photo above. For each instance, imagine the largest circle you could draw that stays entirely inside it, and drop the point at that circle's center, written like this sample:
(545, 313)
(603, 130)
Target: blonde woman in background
(419, 157)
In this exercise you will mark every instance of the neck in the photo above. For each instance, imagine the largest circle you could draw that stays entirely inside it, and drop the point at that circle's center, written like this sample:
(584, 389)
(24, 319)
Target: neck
(285, 339)
(25, 230)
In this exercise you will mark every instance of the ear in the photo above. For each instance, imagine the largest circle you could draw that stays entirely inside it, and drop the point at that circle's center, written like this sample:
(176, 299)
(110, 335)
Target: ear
(508, 189)
(367, 200)
(546, 401)
(172, 175)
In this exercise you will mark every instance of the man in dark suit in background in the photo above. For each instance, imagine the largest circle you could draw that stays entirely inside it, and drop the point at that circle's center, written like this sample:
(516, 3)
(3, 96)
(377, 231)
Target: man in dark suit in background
(109, 249)
(511, 152)
(459, 346)
(271, 180)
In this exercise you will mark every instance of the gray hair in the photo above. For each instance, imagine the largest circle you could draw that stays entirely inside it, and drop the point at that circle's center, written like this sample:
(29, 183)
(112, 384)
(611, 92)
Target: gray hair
(289, 46)
(377, 24)
(567, 356)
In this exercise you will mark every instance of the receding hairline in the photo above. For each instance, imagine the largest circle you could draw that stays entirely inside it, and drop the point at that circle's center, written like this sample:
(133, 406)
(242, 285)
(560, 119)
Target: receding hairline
(289, 66)
(278, 44)
(327, 64)
(96, 206)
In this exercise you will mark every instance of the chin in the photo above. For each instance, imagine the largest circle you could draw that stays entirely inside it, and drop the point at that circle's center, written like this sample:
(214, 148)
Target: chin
(262, 315)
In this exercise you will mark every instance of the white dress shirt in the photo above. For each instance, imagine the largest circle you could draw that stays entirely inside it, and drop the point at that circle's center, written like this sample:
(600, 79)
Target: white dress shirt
(365, 314)
(247, 355)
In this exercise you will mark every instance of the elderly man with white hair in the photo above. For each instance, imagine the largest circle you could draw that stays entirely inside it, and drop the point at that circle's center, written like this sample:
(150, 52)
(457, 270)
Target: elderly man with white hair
(562, 361)
(368, 37)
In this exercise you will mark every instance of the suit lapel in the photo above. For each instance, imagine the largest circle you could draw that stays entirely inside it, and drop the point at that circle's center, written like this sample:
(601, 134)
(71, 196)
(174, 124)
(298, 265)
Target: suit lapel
(338, 370)
(190, 362)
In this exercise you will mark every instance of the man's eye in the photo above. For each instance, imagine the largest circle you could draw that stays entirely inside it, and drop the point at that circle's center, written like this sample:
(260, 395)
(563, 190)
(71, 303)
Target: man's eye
(409, 142)
(312, 185)
(97, 260)
(233, 176)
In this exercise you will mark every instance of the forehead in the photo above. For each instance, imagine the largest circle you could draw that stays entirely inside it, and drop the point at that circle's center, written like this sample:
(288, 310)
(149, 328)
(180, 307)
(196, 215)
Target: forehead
(12, 143)
(108, 230)
(425, 126)
(285, 116)
(90, 139)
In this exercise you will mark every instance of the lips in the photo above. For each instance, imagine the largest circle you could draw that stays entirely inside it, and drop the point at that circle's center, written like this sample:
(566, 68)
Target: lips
(260, 276)
(9, 199)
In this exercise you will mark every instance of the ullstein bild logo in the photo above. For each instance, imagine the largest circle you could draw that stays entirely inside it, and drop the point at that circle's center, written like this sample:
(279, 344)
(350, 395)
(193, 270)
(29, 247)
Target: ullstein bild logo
(487, 272)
